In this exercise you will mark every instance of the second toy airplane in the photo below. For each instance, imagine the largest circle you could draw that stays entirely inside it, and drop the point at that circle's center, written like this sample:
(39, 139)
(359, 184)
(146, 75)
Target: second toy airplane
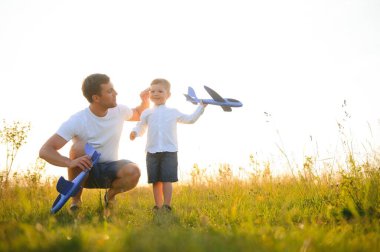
(68, 188)
(225, 103)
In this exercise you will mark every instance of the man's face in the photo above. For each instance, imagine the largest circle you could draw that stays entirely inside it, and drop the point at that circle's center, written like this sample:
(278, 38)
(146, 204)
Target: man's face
(107, 96)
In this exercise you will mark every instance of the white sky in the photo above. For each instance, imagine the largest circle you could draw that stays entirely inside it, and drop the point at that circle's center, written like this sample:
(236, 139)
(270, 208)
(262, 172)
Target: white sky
(297, 60)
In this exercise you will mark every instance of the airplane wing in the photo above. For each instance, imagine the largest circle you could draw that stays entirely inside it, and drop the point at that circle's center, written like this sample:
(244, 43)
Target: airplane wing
(226, 108)
(214, 95)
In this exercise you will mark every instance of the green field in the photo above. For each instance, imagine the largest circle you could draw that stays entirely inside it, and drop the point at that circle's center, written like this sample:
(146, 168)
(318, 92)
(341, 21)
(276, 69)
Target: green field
(333, 212)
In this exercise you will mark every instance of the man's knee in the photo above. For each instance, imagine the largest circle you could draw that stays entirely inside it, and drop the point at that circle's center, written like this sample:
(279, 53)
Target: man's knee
(131, 171)
(135, 172)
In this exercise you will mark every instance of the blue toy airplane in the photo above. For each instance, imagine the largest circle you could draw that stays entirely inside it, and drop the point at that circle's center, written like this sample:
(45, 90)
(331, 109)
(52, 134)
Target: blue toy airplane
(225, 103)
(69, 189)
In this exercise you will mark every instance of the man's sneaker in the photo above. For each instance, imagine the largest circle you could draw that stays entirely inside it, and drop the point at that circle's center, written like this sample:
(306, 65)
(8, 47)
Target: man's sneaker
(75, 207)
(107, 202)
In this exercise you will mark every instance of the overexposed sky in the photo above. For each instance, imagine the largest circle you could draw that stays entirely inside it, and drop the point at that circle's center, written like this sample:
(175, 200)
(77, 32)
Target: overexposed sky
(297, 60)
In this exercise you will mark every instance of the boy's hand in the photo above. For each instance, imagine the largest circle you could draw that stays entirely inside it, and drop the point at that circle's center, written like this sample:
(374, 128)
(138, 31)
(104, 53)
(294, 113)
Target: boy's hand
(203, 104)
(132, 136)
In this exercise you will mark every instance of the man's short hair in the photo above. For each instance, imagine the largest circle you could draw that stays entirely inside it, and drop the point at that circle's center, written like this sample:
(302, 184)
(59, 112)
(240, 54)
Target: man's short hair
(92, 85)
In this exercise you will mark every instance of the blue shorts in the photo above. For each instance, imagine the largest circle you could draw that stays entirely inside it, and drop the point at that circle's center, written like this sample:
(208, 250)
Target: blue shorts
(103, 174)
(162, 167)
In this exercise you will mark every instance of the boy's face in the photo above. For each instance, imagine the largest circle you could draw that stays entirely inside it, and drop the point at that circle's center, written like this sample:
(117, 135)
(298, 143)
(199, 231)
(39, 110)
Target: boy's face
(158, 94)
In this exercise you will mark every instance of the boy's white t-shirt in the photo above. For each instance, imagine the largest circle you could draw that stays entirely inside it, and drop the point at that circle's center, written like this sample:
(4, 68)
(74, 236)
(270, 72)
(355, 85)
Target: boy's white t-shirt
(103, 133)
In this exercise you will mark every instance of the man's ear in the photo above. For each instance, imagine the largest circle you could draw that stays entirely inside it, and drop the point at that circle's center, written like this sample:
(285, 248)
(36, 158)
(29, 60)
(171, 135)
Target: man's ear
(95, 98)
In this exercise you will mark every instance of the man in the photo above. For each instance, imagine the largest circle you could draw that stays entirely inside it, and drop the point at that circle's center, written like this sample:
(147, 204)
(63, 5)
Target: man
(100, 125)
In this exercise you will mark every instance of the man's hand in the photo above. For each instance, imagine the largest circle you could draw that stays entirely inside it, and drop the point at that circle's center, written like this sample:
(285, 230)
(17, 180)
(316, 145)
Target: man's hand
(144, 95)
(145, 103)
(83, 162)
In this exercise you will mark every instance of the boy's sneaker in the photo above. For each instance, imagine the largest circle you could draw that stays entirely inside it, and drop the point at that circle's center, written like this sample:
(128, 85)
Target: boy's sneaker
(155, 209)
(167, 208)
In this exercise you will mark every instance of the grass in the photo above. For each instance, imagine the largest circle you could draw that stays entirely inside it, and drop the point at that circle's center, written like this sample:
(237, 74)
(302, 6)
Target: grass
(333, 212)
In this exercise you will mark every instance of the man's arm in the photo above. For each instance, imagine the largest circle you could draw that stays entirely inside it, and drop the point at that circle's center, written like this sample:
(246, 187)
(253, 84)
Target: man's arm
(144, 95)
(49, 152)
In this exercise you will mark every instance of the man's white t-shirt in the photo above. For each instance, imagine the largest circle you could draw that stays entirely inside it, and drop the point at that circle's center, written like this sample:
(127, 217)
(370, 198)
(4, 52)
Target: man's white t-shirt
(103, 133)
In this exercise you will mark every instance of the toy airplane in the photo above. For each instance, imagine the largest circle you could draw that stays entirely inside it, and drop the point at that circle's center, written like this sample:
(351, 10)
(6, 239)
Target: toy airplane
(225, 103)
(69, 189)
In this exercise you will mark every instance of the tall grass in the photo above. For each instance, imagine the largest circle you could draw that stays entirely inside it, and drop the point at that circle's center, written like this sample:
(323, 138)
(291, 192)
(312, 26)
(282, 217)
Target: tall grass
(304, 212)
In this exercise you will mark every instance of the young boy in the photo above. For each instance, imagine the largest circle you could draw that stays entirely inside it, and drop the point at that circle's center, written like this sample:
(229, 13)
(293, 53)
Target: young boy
(162, 146)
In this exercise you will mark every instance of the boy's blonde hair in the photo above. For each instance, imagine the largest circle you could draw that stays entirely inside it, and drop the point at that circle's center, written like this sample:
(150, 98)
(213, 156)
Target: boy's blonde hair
(163, 82)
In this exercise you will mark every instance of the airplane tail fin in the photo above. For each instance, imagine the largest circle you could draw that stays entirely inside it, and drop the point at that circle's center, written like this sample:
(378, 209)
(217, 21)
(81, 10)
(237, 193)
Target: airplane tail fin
(64, 186)
(191, 96)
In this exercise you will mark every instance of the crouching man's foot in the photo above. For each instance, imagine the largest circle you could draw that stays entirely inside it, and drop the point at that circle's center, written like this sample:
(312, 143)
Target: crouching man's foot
(75, 206)
(109, 202)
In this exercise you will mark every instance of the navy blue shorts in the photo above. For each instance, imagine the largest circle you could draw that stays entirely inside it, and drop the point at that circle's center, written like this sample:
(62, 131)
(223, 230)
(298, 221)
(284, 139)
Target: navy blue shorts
(103, 174)
(162, 167)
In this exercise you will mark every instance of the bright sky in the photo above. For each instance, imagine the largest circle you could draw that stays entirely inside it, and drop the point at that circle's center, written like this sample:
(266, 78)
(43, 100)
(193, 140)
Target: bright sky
(297, 60)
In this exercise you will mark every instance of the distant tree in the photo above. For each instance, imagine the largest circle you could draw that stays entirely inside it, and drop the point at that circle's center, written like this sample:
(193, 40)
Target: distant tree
(13, 136)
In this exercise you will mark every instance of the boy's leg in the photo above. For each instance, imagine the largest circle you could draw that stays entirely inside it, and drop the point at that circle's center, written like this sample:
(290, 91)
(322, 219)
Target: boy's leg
(127, 178)
(169, 175)
(168, 191)
(158, 193)
(153, 170)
